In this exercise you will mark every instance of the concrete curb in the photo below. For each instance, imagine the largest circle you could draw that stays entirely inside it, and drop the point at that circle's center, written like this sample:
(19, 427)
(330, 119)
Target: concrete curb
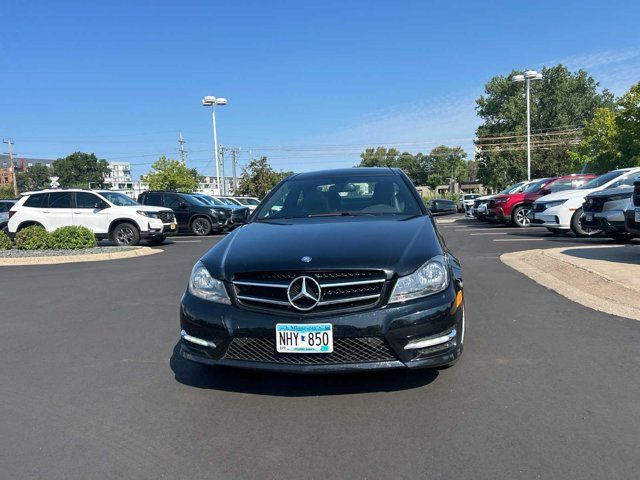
(583, 281)
(94, 257)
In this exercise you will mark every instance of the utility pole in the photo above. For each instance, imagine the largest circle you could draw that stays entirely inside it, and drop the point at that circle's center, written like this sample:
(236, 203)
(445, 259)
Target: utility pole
(234, 158)
(13, 168)
(223, 186)
(183, 152)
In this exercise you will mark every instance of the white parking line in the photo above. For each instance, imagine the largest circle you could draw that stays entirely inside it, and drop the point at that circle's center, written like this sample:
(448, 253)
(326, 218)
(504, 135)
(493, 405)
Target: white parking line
(187, 241)
(490, 233)
(479, 229)
(518, 239)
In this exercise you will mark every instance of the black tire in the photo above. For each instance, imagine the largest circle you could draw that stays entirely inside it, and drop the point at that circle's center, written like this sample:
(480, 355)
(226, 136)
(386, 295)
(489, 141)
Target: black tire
(556, 231)
(157, 240)
(201, 226)
(519, 216)
(4, 228)
(578, 230)
(622, 237)
(126, 235)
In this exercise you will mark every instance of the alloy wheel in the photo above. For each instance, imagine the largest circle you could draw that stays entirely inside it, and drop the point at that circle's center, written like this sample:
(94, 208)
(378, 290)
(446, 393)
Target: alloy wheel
(125, 236)
(521, 217)
(200, 227)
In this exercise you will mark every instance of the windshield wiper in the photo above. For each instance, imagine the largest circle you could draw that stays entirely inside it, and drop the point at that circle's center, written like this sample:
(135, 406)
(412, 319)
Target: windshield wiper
(340, 214)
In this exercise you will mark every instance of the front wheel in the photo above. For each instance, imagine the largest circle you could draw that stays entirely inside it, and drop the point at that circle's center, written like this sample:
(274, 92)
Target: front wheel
(126, 235)
(201, 226)
(519, 217)
(578, 229)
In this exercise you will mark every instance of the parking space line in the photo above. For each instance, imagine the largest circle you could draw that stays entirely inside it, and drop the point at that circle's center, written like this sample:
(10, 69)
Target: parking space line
(479, 229)
(518, 239)
(490, 233)
(186, 241)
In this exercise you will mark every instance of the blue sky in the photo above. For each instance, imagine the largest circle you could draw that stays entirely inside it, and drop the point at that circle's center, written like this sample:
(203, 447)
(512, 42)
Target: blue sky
(309, 83)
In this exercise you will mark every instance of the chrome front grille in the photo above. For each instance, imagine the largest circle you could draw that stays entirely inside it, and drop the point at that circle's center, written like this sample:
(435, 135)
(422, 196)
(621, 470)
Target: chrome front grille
(339, 290)
(167, 217)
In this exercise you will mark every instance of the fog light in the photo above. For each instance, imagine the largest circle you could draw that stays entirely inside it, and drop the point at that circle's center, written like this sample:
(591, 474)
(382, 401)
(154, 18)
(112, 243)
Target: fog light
(196, 340)
(431, 341)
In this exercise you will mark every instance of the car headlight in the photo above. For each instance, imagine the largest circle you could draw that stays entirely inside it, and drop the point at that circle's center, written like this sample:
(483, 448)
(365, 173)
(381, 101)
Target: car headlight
(553, 204)
(203, 285)
(430, 278)
(148, 214)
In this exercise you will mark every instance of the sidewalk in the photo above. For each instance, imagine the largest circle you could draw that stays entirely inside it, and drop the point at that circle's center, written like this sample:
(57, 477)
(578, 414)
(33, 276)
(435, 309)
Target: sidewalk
(605, 278)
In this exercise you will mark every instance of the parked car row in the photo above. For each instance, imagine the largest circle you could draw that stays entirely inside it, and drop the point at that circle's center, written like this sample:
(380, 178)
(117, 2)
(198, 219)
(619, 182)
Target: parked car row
(114, 216)
(580, 203)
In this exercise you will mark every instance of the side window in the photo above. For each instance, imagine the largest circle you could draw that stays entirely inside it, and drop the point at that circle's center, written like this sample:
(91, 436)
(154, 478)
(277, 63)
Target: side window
(173, 201)
(60, 200)
(87, 200)
(154, 199)
(626, 181)
(36, 201)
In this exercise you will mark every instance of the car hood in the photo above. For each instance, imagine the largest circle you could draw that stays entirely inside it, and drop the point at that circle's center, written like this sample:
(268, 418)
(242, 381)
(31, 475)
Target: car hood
(397, 245)
(612, 191)
(566, 195)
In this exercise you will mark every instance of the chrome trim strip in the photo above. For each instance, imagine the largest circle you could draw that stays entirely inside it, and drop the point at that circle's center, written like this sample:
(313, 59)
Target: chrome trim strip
(263, 300)
(355, 282)
(430, 342)
(260, 284)
(350, 299)
(198, 341)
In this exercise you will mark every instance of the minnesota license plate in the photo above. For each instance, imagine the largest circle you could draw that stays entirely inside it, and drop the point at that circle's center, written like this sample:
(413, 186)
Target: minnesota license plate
(309, 338)
(637, 219)
(172, 226)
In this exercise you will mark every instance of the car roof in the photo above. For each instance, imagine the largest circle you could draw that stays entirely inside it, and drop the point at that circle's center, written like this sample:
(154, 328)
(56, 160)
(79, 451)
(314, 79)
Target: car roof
(338, 172)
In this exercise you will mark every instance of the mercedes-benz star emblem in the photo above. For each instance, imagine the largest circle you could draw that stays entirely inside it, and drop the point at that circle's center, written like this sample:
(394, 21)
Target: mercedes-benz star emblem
(304, 293)
(306, 259)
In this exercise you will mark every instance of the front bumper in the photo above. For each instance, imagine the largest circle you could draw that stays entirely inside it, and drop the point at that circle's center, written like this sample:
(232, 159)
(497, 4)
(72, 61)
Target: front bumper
(551, 218)
(609, 221)
(630, 223)
(396, 325)
(156, 230)
(497, 214)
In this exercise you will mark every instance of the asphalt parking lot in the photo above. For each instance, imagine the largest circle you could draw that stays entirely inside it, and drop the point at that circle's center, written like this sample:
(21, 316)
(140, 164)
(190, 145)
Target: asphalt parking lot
(93, 388)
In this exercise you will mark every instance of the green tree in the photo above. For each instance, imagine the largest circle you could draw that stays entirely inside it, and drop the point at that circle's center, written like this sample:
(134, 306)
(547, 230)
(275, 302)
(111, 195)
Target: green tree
(599, 144)
(382, 157)
(80, 170)
(169, 174)
(561, 101)
(258, 178)
(6, 191)
(443, 163)
(34, 178)
(628, 125)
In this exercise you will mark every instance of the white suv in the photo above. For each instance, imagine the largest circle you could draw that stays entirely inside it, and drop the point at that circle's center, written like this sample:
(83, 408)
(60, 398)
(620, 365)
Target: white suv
(110, 215)
(561, 211)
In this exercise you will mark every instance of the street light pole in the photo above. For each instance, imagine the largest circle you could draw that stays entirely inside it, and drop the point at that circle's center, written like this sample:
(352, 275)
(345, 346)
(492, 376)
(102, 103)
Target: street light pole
(211, 101)
(527, 77)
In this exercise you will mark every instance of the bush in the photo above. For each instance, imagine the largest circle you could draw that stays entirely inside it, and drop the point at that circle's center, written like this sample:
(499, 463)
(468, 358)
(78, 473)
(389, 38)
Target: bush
(5, 242)
(72, 238)
(33, 238)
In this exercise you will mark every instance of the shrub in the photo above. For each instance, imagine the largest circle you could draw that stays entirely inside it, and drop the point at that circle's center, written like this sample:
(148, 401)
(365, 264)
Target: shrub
(72, 238)
(33, 238)
(5, 242)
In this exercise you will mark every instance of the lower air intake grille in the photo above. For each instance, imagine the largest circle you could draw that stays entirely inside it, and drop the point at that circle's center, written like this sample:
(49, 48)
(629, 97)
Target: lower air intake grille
(345, 350)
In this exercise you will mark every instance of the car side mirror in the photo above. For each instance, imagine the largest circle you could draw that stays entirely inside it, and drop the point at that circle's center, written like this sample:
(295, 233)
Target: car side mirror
(182, 205)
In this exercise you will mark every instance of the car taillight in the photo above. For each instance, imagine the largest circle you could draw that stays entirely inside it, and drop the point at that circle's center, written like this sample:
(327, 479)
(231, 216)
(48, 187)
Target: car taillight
(11, 213)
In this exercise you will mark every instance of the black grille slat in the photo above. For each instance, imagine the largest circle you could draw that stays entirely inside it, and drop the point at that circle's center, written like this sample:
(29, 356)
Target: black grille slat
(166, 217)
(344, 296)
(595, 204)
(345, 350)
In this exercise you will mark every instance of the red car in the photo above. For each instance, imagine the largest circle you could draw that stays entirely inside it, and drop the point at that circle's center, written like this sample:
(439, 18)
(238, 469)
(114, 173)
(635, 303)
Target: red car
(513, 209)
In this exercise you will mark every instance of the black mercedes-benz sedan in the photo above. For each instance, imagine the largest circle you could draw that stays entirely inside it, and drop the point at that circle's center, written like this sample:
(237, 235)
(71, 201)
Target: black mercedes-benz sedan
(337, 270)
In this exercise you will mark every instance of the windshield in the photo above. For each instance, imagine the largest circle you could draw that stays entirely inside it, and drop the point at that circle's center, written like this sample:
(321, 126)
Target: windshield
(248, 201)
(535, 186)
(211, 200)
(470, 197)
(602, 179)
(119, 199)
(626, 180)
(228, 201)
(512, 188)
(192, 200)
(340, 195)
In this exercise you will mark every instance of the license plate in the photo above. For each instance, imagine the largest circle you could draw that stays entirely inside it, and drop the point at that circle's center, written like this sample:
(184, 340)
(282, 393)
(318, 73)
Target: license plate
(309, 338)
(637, 219)
(589, 217)
(172, 226)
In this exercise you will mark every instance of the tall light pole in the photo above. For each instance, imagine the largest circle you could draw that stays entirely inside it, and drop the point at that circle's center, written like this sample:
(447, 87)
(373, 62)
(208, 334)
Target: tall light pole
(210, 101)
(527, 77)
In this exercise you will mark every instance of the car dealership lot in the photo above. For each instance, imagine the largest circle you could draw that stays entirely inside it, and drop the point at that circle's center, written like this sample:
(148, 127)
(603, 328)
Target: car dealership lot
(92, 386)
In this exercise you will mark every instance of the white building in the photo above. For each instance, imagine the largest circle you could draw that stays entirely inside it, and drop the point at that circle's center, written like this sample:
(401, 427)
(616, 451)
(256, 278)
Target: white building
(209, 186)
(119, 177)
